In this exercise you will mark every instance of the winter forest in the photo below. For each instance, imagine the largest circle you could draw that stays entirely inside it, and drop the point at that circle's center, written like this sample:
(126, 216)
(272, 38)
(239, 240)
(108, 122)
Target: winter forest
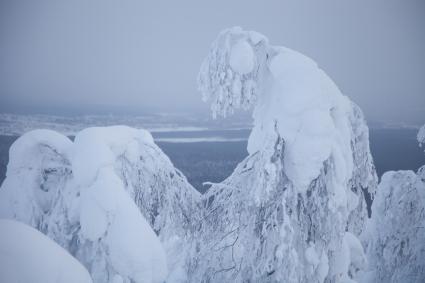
(105, 203)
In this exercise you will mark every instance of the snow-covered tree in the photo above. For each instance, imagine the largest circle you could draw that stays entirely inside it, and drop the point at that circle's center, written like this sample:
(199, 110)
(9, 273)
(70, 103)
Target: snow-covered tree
(395, 234)
(397, 229)
(292, 209)
(83, 195)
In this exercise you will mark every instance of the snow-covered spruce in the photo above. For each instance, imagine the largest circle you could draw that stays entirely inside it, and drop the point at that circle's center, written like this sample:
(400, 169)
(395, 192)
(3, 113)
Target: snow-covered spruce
(26, 255)
(82, 195)
(395, 234)
(162, 193)
(291, 211)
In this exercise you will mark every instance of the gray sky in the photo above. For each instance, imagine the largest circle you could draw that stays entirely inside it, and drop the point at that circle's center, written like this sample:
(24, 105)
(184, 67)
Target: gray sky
(148, 53)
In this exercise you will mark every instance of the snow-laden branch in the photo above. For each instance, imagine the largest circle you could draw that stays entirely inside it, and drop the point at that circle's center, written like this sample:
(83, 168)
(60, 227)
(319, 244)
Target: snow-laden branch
(230, 74)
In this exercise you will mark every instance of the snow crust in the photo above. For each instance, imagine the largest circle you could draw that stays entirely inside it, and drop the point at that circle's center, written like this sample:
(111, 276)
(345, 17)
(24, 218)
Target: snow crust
(26, 255)
(73, 193)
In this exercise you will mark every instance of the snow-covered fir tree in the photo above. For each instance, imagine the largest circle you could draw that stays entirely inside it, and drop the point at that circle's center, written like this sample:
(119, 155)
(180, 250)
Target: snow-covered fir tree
(395, 234)
(84, 195)
(293, 209)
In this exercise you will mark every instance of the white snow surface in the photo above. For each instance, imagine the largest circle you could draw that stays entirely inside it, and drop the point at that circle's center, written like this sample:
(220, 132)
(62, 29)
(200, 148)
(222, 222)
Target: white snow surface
(73, 193)
(98, 147)
(242, 58)
(26, 255)
(32, 144)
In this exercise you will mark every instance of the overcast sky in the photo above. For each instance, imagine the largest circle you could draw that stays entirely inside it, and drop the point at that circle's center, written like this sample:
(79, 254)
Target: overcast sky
(148, 53)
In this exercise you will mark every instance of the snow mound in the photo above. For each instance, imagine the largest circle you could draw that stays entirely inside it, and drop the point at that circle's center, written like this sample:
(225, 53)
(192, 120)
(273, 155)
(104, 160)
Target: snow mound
(83, 195)
(26, 255)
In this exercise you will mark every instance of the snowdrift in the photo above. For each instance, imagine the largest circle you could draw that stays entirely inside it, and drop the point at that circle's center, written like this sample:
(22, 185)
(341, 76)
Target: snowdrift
(26, 255)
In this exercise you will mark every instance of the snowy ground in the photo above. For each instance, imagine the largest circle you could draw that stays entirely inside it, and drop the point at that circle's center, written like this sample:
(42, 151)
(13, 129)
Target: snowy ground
(29, 256)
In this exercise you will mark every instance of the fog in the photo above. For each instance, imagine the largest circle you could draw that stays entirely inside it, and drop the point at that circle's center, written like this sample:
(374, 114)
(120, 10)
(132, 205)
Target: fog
(146, 54)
